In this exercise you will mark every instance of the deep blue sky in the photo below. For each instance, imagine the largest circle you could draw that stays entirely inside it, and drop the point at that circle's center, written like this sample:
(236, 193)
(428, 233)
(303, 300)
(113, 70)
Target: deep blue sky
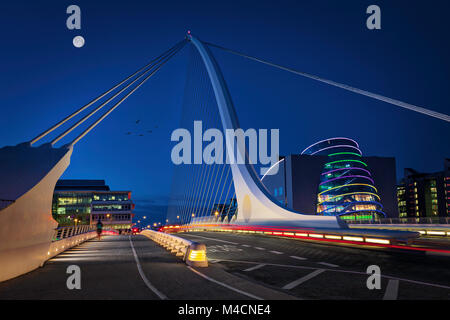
(43, 78)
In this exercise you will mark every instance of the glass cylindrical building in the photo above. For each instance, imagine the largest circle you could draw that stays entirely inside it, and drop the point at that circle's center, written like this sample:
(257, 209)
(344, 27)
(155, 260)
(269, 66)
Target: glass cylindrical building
(346, 187)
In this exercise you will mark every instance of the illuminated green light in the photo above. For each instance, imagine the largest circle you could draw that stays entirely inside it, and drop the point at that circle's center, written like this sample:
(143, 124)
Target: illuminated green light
(330, 163)
(349, 185)
(359, 217)
(339, 153)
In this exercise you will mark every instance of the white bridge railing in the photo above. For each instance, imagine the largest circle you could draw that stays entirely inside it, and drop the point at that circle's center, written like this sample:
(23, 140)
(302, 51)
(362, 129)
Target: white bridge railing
(70, 231)
(193, 253)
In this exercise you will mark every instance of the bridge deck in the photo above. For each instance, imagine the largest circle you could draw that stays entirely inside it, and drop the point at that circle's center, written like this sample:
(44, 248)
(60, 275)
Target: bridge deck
(242, 266)
(109, 271)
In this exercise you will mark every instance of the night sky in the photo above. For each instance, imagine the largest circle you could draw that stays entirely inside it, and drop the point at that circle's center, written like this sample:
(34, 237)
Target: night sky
(43, 78)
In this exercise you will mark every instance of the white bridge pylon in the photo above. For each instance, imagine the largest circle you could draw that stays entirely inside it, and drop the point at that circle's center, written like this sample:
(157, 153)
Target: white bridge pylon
(255, 205)
(28, 176)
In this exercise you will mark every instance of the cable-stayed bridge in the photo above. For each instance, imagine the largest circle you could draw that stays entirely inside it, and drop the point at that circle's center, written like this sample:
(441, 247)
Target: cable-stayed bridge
(206, 198)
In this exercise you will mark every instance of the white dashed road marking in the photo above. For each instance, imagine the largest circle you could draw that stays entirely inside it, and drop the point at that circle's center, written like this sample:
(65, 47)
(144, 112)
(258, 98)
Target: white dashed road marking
(297, 282)
(225, 285)
(259, 248)
(276, 252)
(391, 290)
(192, 235)
(254, 268)
(341, 271)
(246, 245)
(298, 258)
(214, 261)
(328, 264)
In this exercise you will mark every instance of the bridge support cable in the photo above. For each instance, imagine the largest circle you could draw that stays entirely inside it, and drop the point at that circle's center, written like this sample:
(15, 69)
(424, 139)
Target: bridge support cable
(198, 189)
(93, 125)
(205, 115)
(215, 190)
(57, 125)
(376, 96)
(191, 178)
(184, 181)
(86, 117)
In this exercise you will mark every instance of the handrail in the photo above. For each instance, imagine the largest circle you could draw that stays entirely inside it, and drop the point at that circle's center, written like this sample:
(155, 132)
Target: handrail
(70, 231)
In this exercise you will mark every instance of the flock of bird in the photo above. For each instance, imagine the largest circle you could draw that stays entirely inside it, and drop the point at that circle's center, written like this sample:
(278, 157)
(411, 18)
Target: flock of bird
(141, 133)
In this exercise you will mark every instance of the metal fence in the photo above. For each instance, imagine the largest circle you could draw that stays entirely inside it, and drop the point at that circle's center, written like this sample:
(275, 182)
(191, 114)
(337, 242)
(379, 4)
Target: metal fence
(66, 232)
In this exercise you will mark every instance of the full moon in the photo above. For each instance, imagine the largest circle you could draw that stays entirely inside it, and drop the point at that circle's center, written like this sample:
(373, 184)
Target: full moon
(78, 41)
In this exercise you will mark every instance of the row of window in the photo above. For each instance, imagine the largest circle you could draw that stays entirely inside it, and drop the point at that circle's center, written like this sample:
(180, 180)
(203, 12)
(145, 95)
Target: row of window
(111, 207)
(114, 217)
(111, 197)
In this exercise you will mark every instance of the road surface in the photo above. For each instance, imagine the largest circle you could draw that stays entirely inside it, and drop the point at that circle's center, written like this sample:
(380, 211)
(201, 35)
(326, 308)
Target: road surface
(242, 266)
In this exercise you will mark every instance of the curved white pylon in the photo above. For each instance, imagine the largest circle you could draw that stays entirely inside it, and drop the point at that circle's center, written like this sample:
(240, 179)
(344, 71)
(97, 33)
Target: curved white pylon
(255, 205)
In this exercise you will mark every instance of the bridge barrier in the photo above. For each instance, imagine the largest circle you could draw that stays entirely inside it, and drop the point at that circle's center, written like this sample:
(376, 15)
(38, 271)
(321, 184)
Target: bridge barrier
(64, 238)
(193, 253)
(395, 239)
(440, 230)
(61, 245)
(67, 237)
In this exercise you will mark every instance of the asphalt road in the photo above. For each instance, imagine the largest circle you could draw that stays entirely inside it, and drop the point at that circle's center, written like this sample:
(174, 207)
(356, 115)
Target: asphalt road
(242, 266)
(130, 267)
(315, 271)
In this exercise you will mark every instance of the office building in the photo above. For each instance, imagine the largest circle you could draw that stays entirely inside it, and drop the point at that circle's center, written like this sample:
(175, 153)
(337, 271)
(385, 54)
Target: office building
(87, 201)
(423, 195)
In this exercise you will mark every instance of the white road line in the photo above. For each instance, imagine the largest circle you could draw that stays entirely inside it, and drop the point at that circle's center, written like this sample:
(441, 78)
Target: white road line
(225, 285)
(341, 271)
(391, 290)
(192, 235)
(276, 252)
(328, 264)
(259, 248)
(255, 267)
(297, 282)
(298, 258)
(246, 245)
(214, 261)
(141, 272)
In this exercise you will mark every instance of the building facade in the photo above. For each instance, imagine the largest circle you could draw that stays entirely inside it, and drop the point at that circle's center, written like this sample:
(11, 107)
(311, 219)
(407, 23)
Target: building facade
(332, 177)
(424, 195)
(87, 201)
(346, 187)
